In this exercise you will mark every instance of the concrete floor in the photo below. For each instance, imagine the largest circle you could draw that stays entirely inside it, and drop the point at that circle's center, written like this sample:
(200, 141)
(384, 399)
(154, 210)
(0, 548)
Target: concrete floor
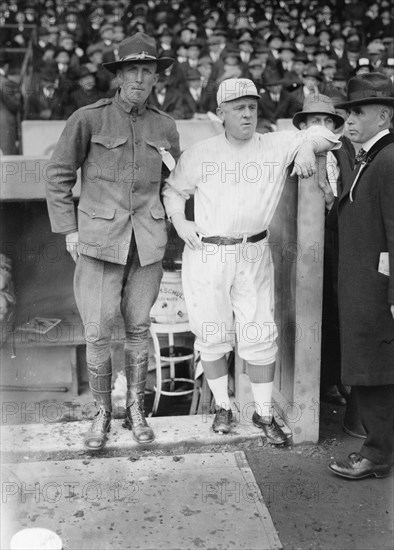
(156, 502)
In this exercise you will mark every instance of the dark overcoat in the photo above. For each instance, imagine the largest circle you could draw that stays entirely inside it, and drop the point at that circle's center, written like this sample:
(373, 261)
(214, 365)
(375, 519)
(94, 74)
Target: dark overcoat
(366, 229)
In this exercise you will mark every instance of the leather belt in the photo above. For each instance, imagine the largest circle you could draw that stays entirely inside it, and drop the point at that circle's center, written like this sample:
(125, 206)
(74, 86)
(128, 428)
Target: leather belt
(228, 240)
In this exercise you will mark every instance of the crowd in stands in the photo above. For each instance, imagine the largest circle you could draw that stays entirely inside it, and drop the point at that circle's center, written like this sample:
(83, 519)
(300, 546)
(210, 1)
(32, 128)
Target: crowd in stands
(289, 49)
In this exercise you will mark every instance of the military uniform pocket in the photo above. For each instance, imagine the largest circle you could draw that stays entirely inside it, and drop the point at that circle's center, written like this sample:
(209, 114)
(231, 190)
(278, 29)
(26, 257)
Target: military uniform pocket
(108, 154)
(94, 224)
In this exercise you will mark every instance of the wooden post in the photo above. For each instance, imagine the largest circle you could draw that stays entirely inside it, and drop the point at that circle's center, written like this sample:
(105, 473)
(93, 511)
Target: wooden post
(297, 245)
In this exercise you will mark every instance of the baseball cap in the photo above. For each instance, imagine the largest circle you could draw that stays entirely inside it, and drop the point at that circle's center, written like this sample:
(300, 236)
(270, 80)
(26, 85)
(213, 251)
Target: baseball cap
(234, 88)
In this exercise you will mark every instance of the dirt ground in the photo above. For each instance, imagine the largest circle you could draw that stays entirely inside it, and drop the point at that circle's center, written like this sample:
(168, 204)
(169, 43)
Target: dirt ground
(312, 508)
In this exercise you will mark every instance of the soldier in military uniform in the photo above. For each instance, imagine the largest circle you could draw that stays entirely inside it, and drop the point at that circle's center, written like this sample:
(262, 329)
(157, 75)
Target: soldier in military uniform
(122, 146)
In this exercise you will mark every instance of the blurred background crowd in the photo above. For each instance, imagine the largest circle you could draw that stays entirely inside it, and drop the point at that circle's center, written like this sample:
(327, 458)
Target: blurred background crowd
(51, 53)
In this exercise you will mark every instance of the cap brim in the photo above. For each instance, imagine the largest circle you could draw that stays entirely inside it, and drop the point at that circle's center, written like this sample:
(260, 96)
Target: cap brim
(162, 63)
(301, 116)
(366, 101)
(256, 96)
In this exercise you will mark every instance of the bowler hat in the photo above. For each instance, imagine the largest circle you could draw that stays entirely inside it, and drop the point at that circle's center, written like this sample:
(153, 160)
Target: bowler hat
(317, 104)
(139, 48)
(368, 89)
(312, 71)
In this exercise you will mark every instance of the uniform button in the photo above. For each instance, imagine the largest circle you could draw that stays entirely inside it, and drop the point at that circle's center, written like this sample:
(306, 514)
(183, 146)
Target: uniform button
(137, 166)
(133, 212)
(137, 142)
(93, 214)
(109, 144)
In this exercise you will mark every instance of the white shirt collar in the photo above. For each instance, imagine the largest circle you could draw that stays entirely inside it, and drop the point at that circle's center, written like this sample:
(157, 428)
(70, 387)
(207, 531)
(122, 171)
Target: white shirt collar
(368, 144)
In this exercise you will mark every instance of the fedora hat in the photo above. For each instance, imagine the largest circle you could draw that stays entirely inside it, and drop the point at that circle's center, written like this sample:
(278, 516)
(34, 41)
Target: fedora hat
(317, 104)
(368, 89)
(139, 48)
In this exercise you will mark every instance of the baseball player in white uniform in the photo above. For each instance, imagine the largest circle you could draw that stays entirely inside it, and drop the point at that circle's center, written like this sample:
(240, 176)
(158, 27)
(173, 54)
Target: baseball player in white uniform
(227, 273)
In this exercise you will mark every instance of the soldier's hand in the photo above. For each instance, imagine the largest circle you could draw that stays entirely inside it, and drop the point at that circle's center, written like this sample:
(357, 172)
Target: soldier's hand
(188, 231)
(72, 245)
(305, 161)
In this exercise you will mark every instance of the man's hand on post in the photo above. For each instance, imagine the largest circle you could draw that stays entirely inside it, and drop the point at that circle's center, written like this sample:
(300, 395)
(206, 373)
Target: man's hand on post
(329, 197)
(305, 161)
(72, 245)
(187, 230)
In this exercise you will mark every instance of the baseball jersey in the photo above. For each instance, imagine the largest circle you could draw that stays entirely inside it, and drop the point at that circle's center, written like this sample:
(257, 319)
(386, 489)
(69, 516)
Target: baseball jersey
(237, 188)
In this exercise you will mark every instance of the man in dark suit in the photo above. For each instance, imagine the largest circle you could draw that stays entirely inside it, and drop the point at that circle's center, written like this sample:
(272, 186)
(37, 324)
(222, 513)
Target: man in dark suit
(365, 213)
(275, 99)
(198, 99)
(168, 98)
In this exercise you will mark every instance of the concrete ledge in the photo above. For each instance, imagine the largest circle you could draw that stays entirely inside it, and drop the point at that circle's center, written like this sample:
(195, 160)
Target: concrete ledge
(35, 441)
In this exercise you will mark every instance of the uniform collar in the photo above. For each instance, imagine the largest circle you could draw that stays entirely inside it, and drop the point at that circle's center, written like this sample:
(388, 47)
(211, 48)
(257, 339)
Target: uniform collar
(125, 106)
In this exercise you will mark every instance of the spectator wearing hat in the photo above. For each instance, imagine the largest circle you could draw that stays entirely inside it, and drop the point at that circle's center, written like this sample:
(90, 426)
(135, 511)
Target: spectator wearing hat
(376, 51)
(363, 66)
(339, 80)
(300, 63)
(365, 216)
(198, 99)
(43, 98)
(321, 57)
(168, 98)
(232, 66)
(233, 211)
(337, 46)
(274, 102)
(193, 51)
(245, 45)
(388, 68)
(164, 41)
(86, 92)
(94, 54)
(255, 72)
(263, 53)
(274, 41)
(67, 43)
(329, 70)
(319, 110)
(349, 63)
(120, 236)
(310, 45)
(284, 64)
(10, 104)
(311, 82)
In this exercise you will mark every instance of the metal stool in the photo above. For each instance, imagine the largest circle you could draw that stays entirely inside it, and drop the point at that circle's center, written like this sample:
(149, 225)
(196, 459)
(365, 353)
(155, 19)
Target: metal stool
(171, 359)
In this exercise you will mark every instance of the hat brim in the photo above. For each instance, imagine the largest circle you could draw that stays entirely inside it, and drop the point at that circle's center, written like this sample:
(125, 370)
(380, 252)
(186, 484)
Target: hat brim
(162, 63)
(366, 101)
(301, 116)
(255, 96)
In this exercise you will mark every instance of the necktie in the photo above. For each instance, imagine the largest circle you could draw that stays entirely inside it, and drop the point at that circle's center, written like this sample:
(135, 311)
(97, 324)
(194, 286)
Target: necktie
(361, 156)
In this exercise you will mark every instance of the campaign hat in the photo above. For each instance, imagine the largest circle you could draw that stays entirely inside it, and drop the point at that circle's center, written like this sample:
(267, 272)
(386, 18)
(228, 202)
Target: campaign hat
(368, 89)
(139, 48)
(317, 104)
